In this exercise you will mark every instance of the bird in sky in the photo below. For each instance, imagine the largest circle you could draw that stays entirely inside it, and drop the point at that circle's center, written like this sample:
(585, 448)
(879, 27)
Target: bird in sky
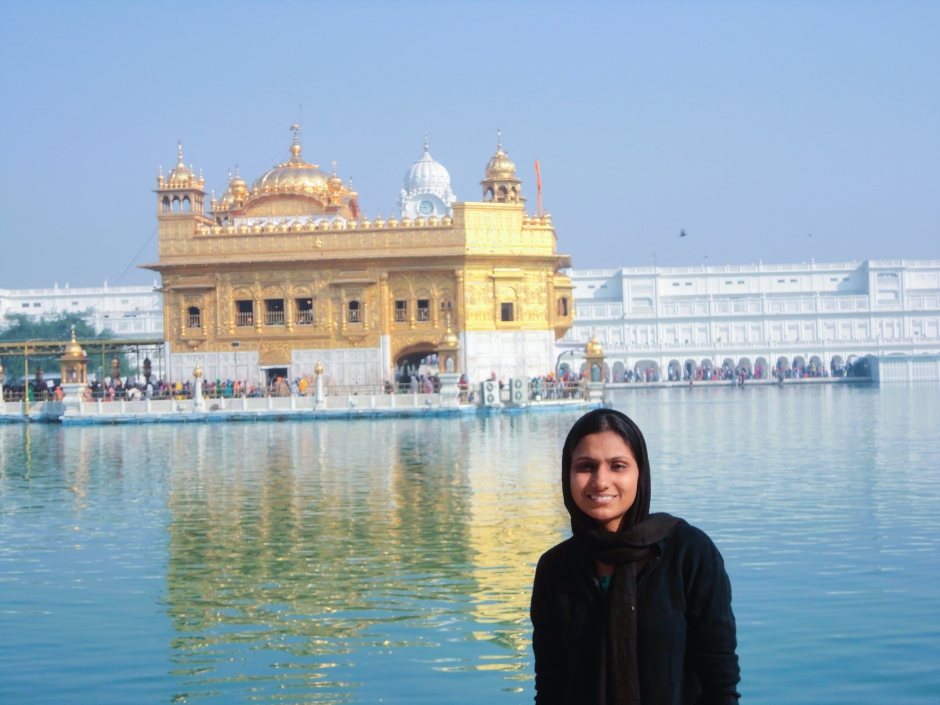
(682, 233)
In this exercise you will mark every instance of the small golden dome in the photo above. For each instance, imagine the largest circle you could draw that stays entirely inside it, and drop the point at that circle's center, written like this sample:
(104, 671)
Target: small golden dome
(197, 373)
(242, 228)
(338, 224)
(238, 187)
(406, 222)
(228, 228)
(257, 227)
(283, 226)
(500, 166)
(420, 222)
(365, 223)
(334, 182)
(181, 176)
(323, 224)
(392, 221)
(447, 220)
(449, 339)
(433, 220)
(74, 350)
(318, 368)
(593, 347)
(379, 222)
(351, 224)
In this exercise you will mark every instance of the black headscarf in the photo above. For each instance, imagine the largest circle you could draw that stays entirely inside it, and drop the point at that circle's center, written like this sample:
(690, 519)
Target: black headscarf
(618, 675)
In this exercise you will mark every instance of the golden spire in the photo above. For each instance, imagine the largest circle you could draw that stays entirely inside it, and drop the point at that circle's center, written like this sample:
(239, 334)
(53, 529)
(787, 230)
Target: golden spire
(179, 152)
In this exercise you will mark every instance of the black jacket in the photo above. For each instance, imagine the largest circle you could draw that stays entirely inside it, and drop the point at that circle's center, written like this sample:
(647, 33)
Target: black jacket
(685, 628)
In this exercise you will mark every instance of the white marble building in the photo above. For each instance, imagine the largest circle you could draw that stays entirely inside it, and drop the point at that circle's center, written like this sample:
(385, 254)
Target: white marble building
(790, 315)
(127, 311)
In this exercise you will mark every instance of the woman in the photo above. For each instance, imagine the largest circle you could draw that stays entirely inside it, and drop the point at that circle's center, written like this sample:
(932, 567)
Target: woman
(634, 607)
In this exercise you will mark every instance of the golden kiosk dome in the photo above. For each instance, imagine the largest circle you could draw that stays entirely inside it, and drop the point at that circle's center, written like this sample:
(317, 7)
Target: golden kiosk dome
(500, 166)
(74, 351)
(593, 347)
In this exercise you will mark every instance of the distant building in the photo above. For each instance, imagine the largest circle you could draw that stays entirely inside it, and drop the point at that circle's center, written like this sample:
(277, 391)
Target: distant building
(783, 316)
(127, 311)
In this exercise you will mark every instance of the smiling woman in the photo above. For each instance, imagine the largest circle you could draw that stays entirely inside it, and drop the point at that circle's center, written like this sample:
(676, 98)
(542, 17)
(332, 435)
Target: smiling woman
(635, 607)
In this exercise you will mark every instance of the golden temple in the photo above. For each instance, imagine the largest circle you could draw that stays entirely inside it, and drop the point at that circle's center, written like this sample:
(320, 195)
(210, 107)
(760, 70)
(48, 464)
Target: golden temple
(273, 277)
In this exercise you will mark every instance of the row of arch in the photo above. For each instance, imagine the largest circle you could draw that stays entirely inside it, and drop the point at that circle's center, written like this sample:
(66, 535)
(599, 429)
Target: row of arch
(177, 204)
(649, 370)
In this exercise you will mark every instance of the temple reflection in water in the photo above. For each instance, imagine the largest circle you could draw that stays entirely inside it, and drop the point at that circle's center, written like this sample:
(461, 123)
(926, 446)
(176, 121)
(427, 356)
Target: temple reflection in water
(318, 558)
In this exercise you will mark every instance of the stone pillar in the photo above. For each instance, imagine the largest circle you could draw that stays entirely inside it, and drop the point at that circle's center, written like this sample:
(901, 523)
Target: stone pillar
(197, 389)
(450, 391)
(318, 397)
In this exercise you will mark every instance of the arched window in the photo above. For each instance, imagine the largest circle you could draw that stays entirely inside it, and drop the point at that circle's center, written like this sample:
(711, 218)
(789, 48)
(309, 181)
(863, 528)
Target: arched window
(563, 306)
(166, 204)
(501, 194)
(176, 204)
(194, 319)
(187, 206)
(354, 312)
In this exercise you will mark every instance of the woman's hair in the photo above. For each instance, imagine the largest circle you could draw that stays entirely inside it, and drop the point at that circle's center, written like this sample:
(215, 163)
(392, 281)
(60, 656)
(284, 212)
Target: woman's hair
(598, 421)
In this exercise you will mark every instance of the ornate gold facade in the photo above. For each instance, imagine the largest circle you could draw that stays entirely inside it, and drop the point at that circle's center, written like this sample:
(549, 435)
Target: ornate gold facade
(291, 264)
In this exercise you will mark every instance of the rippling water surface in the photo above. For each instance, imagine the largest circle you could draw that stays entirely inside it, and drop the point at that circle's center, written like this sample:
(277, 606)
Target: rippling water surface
(391, 561)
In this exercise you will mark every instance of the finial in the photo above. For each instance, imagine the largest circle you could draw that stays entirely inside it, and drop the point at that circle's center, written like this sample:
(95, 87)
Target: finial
(237, 174)
(334, 167)
(160, 172)
(200, 172)
(499, 140)
(350, 184)
(179, 153)
(230, 176)
(425, 141)
(296, 129)
(73, 332)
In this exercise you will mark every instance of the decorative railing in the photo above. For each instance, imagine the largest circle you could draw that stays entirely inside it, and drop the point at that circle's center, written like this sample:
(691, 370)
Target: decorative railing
(274, 318)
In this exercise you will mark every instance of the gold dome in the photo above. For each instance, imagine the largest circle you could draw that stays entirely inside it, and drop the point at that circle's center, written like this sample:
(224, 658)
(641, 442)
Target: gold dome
(449, 339)
(500, 166)
(181, 176)
(335, 183)
(593, 347)
(74, 351)
(293, 175)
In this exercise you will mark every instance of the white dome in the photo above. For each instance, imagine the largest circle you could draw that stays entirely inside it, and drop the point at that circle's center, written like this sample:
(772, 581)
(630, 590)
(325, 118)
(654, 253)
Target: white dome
(426, 189)
(426, 174)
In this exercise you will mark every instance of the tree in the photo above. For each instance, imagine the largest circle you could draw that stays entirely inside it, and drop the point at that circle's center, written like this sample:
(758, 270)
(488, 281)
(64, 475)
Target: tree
(54, 328)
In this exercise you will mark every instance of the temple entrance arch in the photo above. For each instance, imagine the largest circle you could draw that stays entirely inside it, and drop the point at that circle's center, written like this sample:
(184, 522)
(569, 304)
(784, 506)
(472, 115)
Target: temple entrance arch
(745, 365)
(415, 359)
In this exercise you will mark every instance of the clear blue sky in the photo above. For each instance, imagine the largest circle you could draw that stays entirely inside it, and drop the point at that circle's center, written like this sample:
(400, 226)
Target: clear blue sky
(751, 125)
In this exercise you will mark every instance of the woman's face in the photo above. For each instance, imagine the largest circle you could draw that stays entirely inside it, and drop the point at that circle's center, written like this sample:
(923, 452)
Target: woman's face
(603, 480)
